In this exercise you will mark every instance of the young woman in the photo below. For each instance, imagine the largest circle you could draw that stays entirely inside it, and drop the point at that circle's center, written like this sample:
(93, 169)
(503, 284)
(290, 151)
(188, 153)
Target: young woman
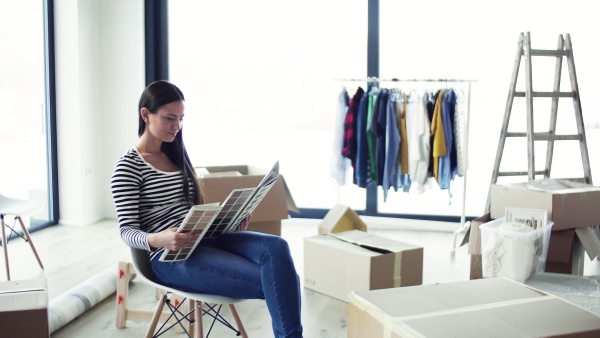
(154, 185)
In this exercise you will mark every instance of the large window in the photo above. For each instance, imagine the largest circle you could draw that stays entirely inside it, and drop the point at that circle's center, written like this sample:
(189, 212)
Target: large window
(260, 81)
(260, 85)
(24, 172)
(474, 40)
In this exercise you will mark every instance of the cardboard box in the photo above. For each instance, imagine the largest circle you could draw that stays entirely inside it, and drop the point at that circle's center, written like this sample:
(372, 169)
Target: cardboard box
(24, 309)
(336, 264)
(339, 219)
(492, 307)
(218, 182)
(565, 253)
(570, 204)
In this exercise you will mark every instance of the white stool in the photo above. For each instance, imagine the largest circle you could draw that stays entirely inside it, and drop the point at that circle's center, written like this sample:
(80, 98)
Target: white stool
(17, 208)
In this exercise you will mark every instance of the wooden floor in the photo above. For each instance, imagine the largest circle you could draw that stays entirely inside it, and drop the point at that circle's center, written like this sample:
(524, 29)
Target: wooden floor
(74, 254)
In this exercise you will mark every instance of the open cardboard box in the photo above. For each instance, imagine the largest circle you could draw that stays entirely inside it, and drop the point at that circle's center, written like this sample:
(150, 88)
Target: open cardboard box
(217, 183)
(570, 204)
(24, 309)
(336, 264)
(491, 307)
(564, 251)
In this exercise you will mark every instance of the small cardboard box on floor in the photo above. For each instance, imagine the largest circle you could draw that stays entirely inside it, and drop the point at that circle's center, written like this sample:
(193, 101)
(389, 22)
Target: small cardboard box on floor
(336, 264)
(218, 181)
(491, 307)
(24, 309)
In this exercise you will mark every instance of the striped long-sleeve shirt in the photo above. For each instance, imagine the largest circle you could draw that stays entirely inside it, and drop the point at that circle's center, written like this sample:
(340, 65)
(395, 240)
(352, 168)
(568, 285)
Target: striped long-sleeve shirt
(147, 200)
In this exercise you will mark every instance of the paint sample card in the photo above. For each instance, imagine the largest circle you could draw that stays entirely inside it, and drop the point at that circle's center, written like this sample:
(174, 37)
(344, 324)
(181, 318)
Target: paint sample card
(212, 220)
(198, 220)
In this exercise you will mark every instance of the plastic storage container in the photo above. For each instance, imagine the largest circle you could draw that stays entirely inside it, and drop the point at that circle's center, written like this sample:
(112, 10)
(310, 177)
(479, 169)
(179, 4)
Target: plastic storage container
(513, 254)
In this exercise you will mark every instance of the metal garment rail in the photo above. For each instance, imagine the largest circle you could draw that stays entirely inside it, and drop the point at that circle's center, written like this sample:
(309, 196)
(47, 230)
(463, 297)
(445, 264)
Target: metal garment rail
(463, 224)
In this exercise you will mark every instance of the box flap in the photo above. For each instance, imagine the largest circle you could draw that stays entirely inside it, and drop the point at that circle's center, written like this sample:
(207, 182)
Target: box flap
(291, 204)
(222, 174)
(589, 239)
(373, 242)
(475, 233)
(242, 169)
(560, 247)
(341, 218)
(416, 300)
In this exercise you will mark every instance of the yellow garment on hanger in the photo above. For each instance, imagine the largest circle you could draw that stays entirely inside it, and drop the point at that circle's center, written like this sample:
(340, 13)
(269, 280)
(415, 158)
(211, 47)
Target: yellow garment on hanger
(439, 138)
(404, 138)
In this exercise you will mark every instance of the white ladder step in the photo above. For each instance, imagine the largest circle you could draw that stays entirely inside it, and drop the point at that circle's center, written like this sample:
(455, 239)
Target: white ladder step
(546, 136)
(547, 94)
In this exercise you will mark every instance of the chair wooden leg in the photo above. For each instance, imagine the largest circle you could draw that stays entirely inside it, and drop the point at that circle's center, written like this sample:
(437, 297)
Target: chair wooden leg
(122, 294)
(191, 322)
(238, 320)
(156, 316)
(199, 326)
(5, 247)
(30, 241)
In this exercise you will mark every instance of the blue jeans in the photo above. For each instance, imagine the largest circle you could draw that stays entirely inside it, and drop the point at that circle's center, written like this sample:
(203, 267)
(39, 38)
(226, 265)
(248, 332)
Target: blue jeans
(246, 265)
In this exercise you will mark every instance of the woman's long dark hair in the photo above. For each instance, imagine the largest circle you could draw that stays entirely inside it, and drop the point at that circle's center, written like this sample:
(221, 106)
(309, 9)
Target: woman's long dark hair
(156, 95)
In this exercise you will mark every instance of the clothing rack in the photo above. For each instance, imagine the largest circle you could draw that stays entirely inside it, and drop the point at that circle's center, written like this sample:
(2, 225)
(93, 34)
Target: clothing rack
(376, 79)
(463, 225)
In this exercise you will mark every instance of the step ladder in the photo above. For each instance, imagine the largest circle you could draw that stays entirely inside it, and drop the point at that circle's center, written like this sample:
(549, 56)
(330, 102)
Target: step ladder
(564, 49)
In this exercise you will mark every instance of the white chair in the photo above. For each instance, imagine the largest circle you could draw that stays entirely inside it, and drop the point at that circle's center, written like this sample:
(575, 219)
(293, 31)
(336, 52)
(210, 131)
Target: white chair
(141, 264)
(17, 208)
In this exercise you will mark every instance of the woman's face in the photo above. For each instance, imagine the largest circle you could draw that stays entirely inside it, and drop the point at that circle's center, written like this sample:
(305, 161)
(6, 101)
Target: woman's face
(166, 122)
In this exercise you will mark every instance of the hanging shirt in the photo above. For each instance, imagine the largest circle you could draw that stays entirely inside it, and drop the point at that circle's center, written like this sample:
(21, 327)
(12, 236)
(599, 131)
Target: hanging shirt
(349, 148)
(371, 137)
(452, 117)
(430, 100)
(445, 169)
(362, 176)
(403, 178)
(338, 163)
(417, 127)
(437, 131)
(392, 143)
(459, 127)
(381, 125)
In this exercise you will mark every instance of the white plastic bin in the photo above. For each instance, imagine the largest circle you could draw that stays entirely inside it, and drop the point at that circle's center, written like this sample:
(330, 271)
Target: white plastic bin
(513, 254)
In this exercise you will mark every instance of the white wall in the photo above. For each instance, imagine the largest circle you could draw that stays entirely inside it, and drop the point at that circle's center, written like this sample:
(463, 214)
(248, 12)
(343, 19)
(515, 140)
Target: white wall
(99, 77)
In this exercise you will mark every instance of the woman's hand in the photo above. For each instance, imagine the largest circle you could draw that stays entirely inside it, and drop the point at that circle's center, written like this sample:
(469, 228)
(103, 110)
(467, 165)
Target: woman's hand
(171, 239)
(244, 224)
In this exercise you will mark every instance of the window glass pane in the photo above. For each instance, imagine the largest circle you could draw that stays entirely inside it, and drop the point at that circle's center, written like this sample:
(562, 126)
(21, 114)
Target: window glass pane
(476, 40)
(260, 84)
(23, 173)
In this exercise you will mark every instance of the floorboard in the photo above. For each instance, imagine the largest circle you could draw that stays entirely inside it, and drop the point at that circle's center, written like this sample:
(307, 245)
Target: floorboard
(73, 254)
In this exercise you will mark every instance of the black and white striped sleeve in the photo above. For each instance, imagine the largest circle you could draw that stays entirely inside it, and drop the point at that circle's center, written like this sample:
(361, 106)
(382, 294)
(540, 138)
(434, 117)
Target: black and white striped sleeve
(125, 186)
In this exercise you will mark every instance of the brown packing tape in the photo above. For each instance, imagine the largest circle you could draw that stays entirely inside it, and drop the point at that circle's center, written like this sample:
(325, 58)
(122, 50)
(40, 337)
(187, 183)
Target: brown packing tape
(397, 269)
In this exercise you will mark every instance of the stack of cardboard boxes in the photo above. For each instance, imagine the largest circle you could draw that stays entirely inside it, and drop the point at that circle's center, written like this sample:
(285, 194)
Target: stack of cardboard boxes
(573, 207)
